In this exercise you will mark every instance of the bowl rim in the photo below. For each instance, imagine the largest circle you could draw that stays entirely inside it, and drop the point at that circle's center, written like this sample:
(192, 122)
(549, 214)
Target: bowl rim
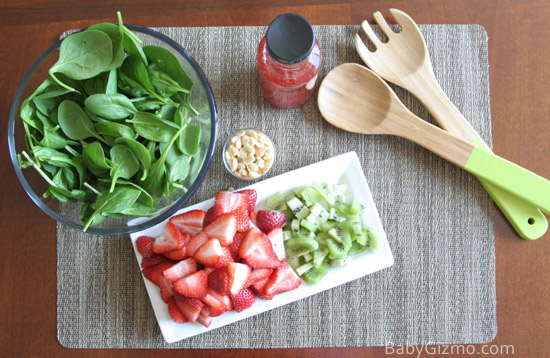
(164, 214)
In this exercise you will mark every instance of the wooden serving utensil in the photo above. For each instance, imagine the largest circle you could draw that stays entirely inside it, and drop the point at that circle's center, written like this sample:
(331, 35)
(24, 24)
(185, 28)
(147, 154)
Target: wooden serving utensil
(405, 61)
(353, 98)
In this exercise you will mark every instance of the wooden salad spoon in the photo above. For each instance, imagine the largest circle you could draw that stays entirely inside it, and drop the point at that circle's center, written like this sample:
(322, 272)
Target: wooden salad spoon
(353, 98)
(405, 61)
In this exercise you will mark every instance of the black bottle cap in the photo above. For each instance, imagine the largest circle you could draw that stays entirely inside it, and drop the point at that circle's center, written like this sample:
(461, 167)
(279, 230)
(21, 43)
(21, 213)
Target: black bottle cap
(290, 38)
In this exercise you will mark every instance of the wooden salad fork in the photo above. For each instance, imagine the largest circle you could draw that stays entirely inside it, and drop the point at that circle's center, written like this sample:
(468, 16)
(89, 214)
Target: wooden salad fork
(404, 61)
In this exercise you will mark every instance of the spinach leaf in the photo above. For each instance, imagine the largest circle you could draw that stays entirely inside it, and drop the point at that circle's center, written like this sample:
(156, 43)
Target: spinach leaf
(110, 106)
(139, 209)
(130, 42)
(152, 127)
(74, 122)
(114, 129)
(189, 140)
(83, 55)
(93, 157)
(134, 73)
(114, 201)
(139, 150)
(125, 164)
(116, 38)
(164, 85)
(53, 139)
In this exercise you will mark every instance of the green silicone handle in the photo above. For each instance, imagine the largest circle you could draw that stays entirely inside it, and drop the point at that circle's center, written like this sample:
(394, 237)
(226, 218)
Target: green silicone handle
(510, 177)
(528, 221)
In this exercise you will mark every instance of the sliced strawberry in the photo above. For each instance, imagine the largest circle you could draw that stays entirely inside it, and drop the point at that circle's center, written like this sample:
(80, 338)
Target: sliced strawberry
(175, 312)
(166, 289)
(223, 228)
(219, 281)
(269, 220)
(190, 222)
(154, 273)
(225, 300)
(205, 320)
(277, 242)
(196, 242)
(180, 270)
(253, 215)
(238, 276)
(242, 300)
(235, 245)
(170, 239)
(241, 218)
(212, 254)
(257, 252)
(189, 307)
(258, 288)
(283, 279)
(213, 305)
(230, 201)
(258, 275)
(144, 245)
(212, 214)
(252, 197)
(179, 254)
(194, 285)
(153, 260)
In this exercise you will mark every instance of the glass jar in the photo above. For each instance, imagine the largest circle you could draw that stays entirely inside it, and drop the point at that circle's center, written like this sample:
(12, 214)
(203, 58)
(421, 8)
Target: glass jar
(289, 58)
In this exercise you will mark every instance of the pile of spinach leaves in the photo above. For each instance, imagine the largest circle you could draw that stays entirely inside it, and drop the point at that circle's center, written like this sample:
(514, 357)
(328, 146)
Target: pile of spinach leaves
(111, 126)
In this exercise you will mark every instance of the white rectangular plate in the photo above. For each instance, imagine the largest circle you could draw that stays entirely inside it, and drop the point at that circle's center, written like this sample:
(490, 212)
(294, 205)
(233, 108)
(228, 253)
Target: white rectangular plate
(344, 168)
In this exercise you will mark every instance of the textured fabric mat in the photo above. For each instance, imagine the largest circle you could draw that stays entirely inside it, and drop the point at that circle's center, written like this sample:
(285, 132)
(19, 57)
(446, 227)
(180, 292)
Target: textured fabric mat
(438, 219)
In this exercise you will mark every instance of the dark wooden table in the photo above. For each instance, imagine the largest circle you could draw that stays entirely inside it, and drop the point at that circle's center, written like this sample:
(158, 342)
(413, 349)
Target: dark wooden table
(519, 54)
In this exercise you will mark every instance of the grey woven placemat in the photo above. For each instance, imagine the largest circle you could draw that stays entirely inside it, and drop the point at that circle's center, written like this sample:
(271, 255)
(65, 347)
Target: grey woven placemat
(437, 218)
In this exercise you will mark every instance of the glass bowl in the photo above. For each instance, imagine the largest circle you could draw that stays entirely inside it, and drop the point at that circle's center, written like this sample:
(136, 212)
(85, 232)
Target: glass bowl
(248, 154)
(202, 99)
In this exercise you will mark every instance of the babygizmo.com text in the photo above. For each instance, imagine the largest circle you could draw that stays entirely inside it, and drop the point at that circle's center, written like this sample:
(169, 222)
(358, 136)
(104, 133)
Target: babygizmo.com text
(443, 350)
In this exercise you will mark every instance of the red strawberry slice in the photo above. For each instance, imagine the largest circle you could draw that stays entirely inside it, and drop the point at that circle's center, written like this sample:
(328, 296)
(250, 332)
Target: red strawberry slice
(180, 270)
(258, 275)
(213, 305)
(194, 285)
(252, 216)
(242, 300)
(196, 242)
(241, 218)
(212, 214)
(269, 220)
(283, 279)
(223, 299)
(144, 245)
(212, 254)
(235, 244)
(230, 201)
(277, 242)
(179, 254)
(154, 273)
(190, 222)
(166, 289)
(204, 320)
(252, 197)
(175, 312)
(257, 251)
(258, 288)
(170, 239)
(189, 307)
(154, 260)
(238, 276)
(219, 281)
(223, 228)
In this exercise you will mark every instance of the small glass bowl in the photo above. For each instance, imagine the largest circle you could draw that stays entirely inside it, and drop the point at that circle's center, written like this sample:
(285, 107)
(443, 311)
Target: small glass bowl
(248, 154)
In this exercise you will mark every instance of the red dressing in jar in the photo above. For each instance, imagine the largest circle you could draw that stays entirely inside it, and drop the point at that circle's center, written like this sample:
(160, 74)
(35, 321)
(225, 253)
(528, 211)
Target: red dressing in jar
(289, 58)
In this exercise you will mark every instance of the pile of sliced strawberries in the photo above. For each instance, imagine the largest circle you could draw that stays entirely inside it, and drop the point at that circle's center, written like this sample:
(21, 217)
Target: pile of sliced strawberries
(207, 263)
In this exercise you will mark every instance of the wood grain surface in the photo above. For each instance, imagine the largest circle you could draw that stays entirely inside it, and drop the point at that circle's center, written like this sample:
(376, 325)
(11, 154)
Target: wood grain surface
(519, 54)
